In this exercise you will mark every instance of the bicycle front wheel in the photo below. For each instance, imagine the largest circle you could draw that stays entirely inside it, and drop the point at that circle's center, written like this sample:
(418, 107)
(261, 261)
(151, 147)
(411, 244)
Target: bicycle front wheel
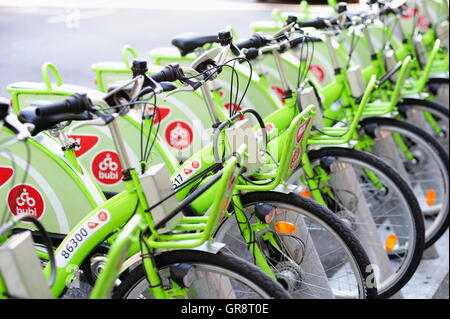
(211, 276)
(430, 116)
(377, 204)
(422, 162)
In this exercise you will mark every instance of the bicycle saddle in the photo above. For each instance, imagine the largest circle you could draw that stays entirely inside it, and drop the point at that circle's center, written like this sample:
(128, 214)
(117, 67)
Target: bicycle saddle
(187, 43)
(42, 123)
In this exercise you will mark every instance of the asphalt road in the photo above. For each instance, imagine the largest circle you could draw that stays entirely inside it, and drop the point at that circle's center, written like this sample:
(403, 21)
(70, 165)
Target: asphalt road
(73, 38)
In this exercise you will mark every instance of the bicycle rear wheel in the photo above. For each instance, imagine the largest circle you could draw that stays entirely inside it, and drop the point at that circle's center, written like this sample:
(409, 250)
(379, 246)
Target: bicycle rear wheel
(211, 276)
(320, 260)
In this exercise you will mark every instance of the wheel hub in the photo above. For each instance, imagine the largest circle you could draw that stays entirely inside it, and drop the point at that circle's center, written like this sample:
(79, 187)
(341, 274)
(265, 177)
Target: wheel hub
(290, 275)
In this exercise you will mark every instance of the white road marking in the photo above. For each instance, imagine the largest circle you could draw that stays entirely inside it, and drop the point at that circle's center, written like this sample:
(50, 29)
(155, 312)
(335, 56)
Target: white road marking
(192, 5)
(73, 15)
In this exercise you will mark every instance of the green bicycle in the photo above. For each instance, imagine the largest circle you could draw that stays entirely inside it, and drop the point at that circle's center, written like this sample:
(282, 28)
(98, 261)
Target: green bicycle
(191, 271)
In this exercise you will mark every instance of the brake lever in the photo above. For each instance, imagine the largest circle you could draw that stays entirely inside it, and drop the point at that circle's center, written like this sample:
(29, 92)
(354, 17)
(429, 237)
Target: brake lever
(189, 88)
(99, 121)
(157, 88)
(193, 84)
(285, 29)
(22, 130)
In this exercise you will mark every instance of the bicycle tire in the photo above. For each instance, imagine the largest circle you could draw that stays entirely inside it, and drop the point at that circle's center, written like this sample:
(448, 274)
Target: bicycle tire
(409, 197)
(439, 153)
(327, 218)
(437, 110)
(220, 260)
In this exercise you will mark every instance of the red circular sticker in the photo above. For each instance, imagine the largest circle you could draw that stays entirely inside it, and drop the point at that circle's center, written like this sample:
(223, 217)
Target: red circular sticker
(106, 167)
(102, 216)
(179, 135)
(318, 72)
(195, 164)
(26, 200)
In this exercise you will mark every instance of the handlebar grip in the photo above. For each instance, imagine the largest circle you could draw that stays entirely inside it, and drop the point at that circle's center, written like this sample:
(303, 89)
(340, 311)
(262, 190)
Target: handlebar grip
(252, 53)
(170, 73)
(256, 41)
(75, 104)
(318, 23)
(303, 39)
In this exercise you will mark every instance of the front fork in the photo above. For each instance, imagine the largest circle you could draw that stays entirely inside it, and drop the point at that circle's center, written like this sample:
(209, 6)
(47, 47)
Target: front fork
(248, 235)
(156, 286)
(313, 180)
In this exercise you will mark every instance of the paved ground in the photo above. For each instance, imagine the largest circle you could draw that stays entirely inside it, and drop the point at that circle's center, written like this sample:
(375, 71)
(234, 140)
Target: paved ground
(431, 277)
(75, 37)
(442, 292)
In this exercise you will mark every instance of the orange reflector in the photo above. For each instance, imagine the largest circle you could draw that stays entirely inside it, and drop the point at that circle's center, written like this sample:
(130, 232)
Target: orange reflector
(285, 228)
(306, 193)
(391, 241)
(430, 197)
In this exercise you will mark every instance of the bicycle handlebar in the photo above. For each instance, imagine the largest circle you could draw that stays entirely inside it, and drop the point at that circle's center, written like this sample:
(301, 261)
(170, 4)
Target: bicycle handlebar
(318, 23)
(76, 104)
(4, 108)
(255, 41)
(253, 52)
(170, 73)
(303, 39)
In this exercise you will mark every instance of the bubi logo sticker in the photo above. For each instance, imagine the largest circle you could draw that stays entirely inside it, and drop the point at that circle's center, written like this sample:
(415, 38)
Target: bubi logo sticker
(86, 142)
(298, 138)
(160, 114)
(179, 135)
(301, 131)
(421, 19)
(25, 199)
(102, 217)
(186, 172)
(5, 174)
(295, 157)
(318, 72)
(79, 236)
(106, 167)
